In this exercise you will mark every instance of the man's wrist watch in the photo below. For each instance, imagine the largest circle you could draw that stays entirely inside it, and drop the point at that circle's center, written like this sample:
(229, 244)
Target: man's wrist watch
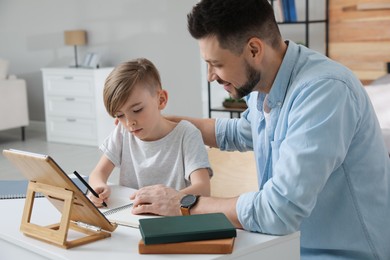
(187, 202)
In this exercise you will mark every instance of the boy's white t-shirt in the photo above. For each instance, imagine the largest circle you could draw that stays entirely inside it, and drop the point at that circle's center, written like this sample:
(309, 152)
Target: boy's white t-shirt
(169, 160)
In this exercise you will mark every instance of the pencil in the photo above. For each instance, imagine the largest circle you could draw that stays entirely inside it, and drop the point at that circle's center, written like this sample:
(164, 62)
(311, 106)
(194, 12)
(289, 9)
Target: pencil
(88, 187)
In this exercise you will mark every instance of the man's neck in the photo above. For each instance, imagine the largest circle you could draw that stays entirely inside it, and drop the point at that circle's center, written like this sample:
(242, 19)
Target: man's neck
(270, 67)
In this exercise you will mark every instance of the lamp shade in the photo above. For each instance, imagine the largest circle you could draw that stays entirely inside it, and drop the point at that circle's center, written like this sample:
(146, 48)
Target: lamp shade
(76, 37)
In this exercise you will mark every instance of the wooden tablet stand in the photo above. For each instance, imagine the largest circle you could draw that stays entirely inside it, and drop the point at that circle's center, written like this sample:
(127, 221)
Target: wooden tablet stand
(77, 211)
(57, 233)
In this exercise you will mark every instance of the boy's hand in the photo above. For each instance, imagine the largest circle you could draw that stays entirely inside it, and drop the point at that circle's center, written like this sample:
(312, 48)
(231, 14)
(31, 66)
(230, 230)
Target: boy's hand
(104, 192)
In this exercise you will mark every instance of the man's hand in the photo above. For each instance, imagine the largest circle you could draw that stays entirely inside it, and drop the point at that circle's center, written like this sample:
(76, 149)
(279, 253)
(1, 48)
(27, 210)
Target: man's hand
(164, 201)
(158, 200)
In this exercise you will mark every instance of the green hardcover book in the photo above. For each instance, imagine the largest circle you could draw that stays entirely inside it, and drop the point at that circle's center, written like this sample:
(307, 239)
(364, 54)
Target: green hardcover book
(186, 228)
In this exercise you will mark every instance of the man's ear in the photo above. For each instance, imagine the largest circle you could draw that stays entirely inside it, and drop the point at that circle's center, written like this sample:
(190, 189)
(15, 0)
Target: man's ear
(255, 48)
(162, 99)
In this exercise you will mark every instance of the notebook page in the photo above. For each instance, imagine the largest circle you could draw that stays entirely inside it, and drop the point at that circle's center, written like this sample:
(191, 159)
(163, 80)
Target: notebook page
(120, 206)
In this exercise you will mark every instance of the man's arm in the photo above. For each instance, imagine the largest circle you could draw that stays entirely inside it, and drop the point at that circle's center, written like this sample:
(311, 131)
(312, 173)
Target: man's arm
(212, 205)
(161, 200)
(205, 125)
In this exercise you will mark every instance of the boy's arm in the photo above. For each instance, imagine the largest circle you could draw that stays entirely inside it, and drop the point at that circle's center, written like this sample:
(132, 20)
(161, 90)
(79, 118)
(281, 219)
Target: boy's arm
(205, 125)
(200, 183)
(98, 180)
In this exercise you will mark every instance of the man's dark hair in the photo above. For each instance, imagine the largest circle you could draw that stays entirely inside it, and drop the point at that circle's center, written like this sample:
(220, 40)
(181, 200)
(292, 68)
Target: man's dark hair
(234, 22)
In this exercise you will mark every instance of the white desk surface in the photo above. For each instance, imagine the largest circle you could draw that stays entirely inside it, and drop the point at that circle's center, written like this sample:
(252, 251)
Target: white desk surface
(123, 243)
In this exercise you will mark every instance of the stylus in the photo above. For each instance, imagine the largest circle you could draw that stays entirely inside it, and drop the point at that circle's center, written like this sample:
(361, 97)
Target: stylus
(88, 187)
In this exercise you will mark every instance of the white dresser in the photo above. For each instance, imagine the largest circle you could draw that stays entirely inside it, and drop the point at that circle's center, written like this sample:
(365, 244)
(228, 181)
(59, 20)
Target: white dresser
(74, 108)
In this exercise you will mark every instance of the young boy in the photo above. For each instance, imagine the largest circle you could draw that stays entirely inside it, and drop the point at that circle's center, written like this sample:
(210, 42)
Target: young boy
(147, 148)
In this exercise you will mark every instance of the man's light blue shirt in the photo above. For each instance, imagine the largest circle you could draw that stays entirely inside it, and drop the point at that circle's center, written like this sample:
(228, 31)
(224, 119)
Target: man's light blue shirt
(322, 164)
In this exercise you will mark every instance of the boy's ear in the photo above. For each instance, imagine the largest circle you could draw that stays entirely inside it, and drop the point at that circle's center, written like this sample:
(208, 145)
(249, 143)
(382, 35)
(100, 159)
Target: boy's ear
(162, 99)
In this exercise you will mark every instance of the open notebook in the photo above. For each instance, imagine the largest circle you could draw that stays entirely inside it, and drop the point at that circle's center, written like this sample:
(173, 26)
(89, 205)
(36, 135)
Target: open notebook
(119, 207)
(16, 189)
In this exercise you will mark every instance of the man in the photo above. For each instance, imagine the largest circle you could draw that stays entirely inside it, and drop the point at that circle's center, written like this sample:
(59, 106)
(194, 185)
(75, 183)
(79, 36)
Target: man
(322, 164)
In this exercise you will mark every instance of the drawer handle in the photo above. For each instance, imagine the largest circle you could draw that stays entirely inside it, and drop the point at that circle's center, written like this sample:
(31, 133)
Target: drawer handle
(68, 77)
(71, 120)
(70, 99)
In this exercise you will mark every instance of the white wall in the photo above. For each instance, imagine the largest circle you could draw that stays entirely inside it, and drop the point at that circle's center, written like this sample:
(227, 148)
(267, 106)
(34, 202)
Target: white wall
(31, 38)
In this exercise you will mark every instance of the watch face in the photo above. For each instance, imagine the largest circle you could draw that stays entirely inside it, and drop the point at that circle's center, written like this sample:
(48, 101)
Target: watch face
(188, 200)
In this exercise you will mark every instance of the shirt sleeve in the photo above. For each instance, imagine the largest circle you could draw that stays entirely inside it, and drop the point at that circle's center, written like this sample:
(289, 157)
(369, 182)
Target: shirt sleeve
(235, 134)
(112, 145)
(321, 120)
(195, 153)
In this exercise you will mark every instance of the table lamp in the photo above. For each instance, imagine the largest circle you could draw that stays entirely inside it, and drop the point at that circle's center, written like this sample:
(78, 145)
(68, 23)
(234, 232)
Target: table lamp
(75, 38)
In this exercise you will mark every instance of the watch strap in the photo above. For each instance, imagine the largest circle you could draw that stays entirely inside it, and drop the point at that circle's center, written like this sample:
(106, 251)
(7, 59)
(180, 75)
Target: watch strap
(185, 211)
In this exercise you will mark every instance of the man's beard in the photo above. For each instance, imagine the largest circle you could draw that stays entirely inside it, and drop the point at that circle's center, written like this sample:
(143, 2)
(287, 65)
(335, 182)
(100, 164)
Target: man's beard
(253, 77)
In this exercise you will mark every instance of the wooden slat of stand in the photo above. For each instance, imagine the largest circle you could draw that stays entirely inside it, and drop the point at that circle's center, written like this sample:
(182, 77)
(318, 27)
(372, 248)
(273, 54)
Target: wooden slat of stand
(56, 233)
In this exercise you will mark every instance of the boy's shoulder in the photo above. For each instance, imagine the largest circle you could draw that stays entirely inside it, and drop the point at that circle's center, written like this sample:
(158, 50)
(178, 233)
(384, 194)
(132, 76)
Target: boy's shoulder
(187, 125)
(186, 128)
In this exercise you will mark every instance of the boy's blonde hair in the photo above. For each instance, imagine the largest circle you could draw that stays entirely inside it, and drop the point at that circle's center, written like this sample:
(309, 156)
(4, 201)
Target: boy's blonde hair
(121, 81)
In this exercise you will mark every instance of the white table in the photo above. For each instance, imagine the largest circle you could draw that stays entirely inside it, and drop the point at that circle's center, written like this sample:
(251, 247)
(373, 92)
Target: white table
(123, 243)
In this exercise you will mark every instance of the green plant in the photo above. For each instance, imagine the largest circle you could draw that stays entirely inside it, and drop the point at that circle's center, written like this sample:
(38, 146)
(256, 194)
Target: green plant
(234, 103)
(233, 100)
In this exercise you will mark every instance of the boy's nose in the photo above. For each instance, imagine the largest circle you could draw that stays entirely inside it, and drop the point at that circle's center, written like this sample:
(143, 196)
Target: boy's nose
(130, 122)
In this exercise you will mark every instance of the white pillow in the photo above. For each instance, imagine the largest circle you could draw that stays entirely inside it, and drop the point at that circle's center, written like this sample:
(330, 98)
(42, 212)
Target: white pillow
(380, 97)
(3, 68)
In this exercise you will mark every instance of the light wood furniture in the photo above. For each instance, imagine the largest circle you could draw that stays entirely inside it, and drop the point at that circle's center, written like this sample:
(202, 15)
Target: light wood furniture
(76, 211)
(123, 243)
(213, 246)
(234, 173)
(359, 37)
(74, 108)
(57, 233)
